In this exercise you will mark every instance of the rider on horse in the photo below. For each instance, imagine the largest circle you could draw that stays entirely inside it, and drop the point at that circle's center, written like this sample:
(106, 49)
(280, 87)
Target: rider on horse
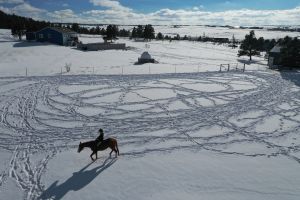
(100, 137)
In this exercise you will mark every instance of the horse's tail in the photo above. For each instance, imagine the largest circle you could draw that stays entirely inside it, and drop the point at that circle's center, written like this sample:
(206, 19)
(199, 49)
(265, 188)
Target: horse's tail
(117, 148)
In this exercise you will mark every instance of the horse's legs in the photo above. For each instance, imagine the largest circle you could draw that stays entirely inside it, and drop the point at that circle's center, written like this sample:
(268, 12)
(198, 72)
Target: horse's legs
(96, 154)
(110, 153)
(92, 156)
(116, 153)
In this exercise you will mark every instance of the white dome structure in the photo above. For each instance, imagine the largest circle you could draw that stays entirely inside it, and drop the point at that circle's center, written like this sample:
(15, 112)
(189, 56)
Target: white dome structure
(146, 56)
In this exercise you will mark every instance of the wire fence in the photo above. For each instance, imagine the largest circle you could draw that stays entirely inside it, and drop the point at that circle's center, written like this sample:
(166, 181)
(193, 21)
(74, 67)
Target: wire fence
(68, 69)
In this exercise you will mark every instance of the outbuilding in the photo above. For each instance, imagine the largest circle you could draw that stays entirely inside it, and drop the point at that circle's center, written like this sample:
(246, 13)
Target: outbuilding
(56, 35)
(274, 60)
(30, 36)
(145, 58)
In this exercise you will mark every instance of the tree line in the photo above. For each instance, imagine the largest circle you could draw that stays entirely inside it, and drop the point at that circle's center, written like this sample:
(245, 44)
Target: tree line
(289, 48)
(20, 25)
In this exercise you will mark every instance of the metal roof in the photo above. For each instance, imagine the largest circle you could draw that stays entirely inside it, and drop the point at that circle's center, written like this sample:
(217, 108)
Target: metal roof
(276, 49)
(60, 30)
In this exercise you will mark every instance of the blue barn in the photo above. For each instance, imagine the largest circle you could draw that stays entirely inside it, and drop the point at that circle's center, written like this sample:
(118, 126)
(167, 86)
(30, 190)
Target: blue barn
(60, 36)
(30, 36)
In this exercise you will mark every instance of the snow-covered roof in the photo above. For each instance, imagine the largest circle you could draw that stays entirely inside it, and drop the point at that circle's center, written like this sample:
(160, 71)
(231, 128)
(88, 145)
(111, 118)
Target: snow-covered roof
(146, 56)
(276, 49)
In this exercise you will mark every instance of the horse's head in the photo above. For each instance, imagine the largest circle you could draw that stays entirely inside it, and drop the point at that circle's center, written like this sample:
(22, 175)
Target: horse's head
(80, 147)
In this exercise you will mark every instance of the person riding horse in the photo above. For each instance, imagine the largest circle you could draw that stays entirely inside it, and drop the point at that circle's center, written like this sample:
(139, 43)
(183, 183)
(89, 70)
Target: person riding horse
(99, 139)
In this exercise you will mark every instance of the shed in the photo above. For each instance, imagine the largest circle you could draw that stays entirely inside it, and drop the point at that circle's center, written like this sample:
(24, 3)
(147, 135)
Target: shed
(101, 46)
(145, 58)
(274, 59)
(55, 35)
(220, 40)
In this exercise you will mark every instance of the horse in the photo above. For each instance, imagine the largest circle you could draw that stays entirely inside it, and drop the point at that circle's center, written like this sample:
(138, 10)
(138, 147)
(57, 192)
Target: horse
(110, 142)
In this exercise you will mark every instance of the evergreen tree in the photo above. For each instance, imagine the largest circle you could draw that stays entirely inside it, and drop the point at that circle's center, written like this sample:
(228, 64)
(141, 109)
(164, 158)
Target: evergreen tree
(248, 46)
(124, 33)
(103, 31)
(75, 27)
(111, 32)
(260, 44)
(234, 42)
(159, 36)
(269, 44)
(140, 31)
(290, 52)
(18, 30)
(92, 31)
(134, 33)
(167, 37)
(97, 31)
(149, 32)
(177, 37)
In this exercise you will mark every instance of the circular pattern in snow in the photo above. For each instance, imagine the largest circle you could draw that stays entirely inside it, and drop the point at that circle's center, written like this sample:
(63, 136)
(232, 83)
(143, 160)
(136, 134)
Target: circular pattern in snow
(230, 113)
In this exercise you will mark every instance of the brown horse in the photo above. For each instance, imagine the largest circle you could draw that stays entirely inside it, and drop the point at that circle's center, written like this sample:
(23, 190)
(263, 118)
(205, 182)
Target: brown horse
(110, 142)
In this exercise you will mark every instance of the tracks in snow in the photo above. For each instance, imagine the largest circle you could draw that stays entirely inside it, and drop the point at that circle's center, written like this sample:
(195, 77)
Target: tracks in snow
(230, 113)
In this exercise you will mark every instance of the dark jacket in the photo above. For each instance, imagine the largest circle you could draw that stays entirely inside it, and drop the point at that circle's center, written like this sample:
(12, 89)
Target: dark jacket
(100, 137)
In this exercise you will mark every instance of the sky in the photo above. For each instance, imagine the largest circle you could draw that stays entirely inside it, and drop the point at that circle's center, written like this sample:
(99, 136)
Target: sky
(160, 12)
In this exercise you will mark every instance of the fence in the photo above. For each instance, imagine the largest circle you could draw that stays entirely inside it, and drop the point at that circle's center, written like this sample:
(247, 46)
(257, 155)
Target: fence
(161, 68)
(236, 67)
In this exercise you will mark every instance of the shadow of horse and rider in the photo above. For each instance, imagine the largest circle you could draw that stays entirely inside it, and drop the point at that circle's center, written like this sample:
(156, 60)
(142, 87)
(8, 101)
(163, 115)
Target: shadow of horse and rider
(76, 182)
(84, 177)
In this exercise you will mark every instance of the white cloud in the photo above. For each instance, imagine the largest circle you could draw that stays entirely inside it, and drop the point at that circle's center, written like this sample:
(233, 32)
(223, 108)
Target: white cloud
(4, 9)
(112, 11)
(66, 15)
(24, 9)
(117, 13)
(110, 4)
(198, 7)
(11, 1)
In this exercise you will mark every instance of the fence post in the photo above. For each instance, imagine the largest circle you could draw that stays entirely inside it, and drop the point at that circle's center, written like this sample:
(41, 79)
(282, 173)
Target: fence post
(26, 72)
(122, 70)
(175, 70)
(228, 67)
(93, 70)
(244, 67)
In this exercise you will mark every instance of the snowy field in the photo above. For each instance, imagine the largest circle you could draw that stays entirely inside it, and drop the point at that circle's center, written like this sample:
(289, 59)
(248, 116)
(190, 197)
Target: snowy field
(42, 59)
(201, 134)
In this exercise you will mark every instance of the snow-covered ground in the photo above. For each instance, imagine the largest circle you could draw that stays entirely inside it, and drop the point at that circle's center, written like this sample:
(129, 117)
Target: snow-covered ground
(197, 135)
(46, 59)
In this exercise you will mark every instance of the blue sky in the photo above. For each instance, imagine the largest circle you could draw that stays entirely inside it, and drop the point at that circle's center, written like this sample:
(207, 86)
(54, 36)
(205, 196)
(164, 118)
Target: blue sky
(231, 12)
(153, 5)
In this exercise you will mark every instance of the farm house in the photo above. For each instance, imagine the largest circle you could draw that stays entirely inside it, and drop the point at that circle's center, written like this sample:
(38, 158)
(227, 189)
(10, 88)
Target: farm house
(55, 35)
